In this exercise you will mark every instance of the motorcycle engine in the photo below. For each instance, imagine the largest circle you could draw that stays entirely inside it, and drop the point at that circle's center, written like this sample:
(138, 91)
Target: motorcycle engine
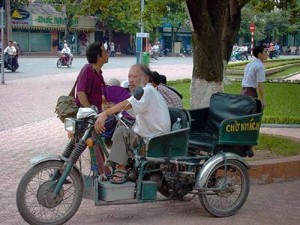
(173, 181)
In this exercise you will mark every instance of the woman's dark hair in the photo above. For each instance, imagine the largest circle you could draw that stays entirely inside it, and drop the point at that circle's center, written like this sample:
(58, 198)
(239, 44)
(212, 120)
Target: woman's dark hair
(163, 79)
(156, 78)
(93, 51)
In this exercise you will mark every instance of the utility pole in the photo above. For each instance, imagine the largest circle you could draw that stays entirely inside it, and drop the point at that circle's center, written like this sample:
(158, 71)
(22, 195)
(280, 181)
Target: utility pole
(8, 23)
(2, 47)
(139, 59)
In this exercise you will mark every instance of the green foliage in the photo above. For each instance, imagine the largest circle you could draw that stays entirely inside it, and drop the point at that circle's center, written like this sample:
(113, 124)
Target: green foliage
(17, 3)
(278, 145)
(268, 22)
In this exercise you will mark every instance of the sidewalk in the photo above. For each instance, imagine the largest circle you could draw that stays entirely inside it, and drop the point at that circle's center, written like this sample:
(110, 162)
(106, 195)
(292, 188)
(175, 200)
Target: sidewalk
(29, 127)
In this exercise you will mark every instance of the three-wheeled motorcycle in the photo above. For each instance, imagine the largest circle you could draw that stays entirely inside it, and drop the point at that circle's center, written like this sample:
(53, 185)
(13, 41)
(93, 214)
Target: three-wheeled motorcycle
(204, 158)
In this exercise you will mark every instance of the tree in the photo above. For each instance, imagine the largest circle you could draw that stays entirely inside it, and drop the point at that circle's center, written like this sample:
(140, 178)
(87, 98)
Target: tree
(71, 8)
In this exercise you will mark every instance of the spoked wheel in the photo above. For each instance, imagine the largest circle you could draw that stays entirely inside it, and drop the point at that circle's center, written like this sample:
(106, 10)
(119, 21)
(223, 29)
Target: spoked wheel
(58, 63)
(35, 200)
(226, 202)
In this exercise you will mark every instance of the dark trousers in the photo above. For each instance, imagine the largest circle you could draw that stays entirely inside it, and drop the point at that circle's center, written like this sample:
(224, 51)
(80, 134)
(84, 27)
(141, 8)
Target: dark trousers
(249, 91)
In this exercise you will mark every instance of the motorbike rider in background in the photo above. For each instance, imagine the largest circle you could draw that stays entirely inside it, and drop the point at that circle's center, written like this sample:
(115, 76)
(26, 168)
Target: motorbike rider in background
(11, 51)
(66, 50)
(155, 50)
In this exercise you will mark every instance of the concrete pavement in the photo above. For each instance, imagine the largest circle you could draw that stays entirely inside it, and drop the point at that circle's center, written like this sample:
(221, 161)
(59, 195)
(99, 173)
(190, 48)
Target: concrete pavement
(28, 127)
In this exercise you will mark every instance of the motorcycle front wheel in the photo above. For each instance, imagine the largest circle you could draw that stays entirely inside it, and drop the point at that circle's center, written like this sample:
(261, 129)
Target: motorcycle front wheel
(59, 63)
(229, 193)
(35, 200)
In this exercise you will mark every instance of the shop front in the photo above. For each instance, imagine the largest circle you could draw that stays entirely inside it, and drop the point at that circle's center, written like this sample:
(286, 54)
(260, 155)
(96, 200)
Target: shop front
(38, 32)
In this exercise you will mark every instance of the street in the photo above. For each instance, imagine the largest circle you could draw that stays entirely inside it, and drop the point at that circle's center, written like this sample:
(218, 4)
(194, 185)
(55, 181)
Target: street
(34, 66)
(42, 66)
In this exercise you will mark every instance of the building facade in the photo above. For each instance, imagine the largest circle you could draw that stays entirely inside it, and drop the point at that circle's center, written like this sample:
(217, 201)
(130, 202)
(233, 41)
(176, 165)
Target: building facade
(40, 28)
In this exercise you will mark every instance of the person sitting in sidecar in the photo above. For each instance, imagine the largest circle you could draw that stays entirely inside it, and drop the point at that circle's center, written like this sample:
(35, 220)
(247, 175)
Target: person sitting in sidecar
(147, 122)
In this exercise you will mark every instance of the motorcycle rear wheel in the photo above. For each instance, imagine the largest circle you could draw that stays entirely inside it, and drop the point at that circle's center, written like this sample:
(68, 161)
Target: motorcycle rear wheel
(34, 195)
(226, 202)
(69, 64)
(59, 63)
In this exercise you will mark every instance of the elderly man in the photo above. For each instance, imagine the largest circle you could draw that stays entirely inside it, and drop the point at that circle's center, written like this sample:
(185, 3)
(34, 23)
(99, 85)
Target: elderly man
(152, 118)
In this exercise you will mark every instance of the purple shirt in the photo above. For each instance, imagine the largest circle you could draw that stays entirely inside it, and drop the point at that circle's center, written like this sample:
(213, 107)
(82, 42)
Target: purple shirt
(90, 82)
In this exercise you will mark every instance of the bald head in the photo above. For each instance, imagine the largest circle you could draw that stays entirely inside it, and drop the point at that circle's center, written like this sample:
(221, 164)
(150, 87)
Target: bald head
(139, 75)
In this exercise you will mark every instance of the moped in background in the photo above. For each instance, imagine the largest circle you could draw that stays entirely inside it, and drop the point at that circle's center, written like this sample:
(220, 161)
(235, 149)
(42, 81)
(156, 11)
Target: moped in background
(64, 60)
(10, 62)
(203, 158)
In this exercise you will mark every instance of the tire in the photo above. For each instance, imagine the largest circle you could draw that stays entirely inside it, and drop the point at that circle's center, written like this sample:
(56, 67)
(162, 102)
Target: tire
(59, 63)
(34, 200)
(226, 202)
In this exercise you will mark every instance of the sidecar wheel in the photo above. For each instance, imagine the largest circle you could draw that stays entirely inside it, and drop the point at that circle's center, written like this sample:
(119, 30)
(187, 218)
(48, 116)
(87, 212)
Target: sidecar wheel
(226, 202)
(59, 63)
(34, 195)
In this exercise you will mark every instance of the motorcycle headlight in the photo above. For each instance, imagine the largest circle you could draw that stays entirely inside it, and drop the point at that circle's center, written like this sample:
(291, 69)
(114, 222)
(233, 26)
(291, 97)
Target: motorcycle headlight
(70, 125)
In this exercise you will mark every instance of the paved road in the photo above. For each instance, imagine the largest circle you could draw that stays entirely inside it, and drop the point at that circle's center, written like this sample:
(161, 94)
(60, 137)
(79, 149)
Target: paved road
(35, 67)
(28, 127)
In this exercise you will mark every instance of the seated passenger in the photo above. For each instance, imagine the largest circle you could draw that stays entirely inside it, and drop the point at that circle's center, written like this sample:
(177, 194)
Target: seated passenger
(172, 99)
(147, 125)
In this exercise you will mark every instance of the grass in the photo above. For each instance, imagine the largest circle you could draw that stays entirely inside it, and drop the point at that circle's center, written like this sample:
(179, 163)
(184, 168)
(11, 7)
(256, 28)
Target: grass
(283, 102)
(278, 145)
(240, 66)
(283, 106)
(286, 72)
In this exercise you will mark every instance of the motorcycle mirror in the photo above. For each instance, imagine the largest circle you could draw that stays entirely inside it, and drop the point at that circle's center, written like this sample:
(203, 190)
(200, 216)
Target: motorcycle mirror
(138, 93)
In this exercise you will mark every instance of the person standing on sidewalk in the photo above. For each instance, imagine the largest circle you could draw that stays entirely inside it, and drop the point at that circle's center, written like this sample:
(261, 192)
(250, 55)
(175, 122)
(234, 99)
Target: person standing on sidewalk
(255, 75)
(112, 49)
(90, 82)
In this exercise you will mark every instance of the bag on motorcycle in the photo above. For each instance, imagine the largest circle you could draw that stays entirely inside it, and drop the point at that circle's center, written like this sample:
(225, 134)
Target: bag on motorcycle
(66, 107)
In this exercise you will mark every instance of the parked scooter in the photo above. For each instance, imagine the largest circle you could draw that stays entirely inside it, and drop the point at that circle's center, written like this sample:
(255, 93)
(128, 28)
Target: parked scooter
(64, 60)
(10, 62)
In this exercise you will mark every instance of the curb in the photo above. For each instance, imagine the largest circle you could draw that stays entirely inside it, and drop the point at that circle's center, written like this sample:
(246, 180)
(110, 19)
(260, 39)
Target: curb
(275, 170)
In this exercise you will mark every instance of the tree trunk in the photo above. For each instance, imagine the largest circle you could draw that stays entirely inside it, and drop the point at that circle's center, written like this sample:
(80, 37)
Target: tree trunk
(214, 33)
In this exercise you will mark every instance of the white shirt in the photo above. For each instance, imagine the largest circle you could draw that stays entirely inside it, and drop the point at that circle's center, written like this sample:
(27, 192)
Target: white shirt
(155, 48)
(152, 113)
(105, 46)
(10, 50)
(66, 50)
(254, 73)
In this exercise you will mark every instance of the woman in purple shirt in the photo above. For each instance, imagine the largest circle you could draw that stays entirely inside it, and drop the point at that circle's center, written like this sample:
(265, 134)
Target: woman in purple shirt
(90, 81)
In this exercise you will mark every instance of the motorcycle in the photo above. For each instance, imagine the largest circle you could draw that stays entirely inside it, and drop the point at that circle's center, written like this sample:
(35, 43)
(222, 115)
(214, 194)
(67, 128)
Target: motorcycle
(64, 60)
(174, 164)
(11, 64)
(238, 55)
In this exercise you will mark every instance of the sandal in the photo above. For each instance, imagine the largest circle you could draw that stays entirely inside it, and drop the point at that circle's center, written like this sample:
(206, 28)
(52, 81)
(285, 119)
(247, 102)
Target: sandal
(119, 177)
